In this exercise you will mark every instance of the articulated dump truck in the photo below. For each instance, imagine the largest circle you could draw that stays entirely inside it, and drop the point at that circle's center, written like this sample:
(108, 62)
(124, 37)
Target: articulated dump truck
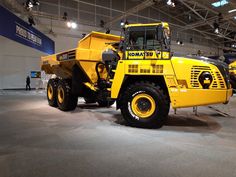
(136, 71)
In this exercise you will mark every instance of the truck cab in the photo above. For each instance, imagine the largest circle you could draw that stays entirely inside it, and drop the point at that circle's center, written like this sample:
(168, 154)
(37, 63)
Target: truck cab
(147, 41)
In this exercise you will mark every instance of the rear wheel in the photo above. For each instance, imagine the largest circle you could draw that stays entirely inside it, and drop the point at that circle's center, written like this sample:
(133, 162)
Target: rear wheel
(145, 104)
(65, 99)
(52, 92)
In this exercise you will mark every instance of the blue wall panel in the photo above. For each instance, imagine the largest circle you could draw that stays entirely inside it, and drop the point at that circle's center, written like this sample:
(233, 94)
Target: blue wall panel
(14, 28)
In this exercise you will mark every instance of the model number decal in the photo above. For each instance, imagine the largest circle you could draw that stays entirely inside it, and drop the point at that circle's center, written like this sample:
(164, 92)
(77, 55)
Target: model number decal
(62, 57)
(66, 56)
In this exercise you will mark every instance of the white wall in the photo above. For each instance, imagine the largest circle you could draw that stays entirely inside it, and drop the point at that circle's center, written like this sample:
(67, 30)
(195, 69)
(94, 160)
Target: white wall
(16, 62)
(191, 48)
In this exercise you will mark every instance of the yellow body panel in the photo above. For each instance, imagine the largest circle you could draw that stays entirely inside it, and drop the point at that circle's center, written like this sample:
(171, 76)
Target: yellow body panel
(232, 68)
(190, 69)
(87, 54)
(164, 24)
(178, 75)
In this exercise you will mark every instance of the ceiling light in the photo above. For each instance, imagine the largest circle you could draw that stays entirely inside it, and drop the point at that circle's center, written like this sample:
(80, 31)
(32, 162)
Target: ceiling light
(231, 11)
(68, 24)
(235, 17)
(170, 3)
(233, 45)
(178, 41)
(73, 25)
(216, 27)
(122, 24)
(29, 4)
(217, 31)
(220, 3)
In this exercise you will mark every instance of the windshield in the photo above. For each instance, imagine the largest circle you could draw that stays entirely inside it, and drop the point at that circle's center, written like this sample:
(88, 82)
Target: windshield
(144, 39)
(147, 39)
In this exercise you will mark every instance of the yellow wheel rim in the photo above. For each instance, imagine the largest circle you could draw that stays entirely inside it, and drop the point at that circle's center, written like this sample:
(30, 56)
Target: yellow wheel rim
(50, 92)
(60, 94)
(143, 105)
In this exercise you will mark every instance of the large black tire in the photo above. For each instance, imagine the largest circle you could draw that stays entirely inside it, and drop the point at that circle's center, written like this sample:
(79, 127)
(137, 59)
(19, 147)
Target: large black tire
(145, 105)
(102, 103)
(52, 92)
(65, 99)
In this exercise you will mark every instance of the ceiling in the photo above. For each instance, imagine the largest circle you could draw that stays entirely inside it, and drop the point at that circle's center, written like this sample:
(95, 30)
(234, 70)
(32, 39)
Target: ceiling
(187, 15)
(200, 15)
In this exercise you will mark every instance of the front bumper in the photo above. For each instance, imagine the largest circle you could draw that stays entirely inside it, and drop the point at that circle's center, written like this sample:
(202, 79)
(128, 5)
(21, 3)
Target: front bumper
(229, 93)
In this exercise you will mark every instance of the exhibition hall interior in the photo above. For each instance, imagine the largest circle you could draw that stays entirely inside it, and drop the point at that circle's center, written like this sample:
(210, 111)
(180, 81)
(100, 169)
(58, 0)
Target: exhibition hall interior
(116, 88)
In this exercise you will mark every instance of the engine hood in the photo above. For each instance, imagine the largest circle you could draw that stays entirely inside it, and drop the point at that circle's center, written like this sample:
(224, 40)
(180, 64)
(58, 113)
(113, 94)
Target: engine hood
(206, 59)
(222, 66)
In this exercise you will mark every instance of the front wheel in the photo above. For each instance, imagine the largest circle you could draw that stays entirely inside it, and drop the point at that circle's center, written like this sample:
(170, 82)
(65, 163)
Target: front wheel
(145, 105)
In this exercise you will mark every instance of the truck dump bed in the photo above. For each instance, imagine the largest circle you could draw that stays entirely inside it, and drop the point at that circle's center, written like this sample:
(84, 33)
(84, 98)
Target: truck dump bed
(86, 55)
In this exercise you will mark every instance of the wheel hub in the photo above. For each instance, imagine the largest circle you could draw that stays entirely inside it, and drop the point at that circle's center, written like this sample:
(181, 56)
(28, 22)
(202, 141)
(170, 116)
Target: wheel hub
(143, 105)
(50, 92)
(61, 94)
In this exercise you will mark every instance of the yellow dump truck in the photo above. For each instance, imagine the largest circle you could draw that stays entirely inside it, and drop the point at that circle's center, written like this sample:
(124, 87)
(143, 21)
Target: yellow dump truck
(232, 72)
(137, 71)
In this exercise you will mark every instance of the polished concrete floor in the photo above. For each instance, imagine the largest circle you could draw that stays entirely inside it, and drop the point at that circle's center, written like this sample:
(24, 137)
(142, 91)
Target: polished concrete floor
(39, 141)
